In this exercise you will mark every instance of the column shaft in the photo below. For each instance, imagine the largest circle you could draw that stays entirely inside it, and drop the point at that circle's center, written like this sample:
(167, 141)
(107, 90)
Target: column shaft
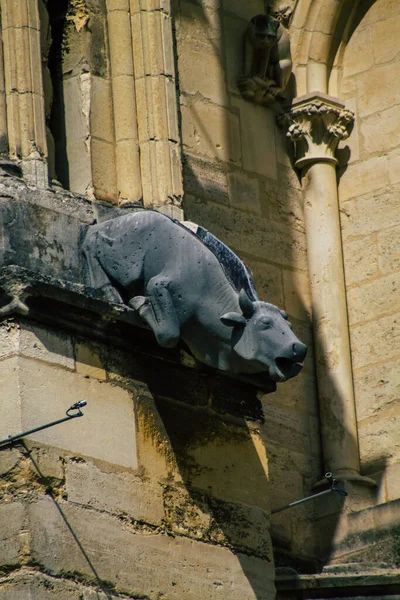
(24, 87)
(156, 96)
(124, 102)
(331, 332)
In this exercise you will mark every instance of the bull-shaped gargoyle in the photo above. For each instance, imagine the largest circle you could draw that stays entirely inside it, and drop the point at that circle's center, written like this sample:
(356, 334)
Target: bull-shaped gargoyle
(188, 285)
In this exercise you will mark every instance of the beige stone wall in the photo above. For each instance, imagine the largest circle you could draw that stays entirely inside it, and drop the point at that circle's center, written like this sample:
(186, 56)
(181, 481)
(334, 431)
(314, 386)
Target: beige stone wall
(239, 184)
(159, 491)
(369, 188)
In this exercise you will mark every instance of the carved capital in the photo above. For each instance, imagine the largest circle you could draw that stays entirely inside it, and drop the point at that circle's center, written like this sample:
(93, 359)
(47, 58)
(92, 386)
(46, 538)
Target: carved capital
(316, 123)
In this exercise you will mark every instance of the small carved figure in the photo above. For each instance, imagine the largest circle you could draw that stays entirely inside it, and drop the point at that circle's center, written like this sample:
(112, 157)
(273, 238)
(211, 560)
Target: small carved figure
(267, 60)
(190, 286)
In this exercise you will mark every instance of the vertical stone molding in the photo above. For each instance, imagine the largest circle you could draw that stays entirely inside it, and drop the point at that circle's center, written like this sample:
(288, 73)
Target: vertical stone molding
(157, 104)
(20, 25)
(129, 187)
(3, 109)
(316, 123)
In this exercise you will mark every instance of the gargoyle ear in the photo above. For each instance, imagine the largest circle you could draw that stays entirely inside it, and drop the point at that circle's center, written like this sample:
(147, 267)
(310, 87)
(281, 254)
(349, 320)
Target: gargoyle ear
(233, 319)
(245, 304)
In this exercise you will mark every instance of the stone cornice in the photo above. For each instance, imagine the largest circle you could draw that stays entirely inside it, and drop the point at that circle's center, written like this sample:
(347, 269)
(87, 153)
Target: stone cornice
(316, 123)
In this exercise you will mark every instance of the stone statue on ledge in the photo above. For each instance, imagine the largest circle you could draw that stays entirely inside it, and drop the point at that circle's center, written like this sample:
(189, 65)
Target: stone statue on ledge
(267, 60)
(184, 283)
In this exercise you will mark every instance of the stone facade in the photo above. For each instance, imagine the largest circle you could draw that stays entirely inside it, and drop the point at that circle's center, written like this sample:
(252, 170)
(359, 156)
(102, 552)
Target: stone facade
(164, 489)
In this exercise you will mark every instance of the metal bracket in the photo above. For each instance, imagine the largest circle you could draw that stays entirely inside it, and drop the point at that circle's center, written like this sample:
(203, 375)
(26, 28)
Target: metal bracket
(333, 488)
(73, 412)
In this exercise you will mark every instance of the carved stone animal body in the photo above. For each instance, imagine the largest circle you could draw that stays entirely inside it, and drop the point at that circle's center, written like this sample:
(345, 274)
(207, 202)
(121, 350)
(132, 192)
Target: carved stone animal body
(183, 286)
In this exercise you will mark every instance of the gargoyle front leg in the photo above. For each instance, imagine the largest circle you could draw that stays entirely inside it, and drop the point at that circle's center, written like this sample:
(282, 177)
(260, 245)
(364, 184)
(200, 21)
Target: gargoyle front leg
(158, 311)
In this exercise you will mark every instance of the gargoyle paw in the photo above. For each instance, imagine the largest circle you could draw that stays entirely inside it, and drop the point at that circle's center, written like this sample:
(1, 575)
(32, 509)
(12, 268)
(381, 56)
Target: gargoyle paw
(138, 302)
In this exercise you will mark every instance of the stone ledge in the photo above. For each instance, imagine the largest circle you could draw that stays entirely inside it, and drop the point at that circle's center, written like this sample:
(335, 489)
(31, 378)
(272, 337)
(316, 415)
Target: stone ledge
(341, 581)
(81, 310)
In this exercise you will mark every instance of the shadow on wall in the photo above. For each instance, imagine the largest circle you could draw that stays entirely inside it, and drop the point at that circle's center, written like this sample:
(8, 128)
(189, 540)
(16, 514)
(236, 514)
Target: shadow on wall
(221, 494)
(240, 184)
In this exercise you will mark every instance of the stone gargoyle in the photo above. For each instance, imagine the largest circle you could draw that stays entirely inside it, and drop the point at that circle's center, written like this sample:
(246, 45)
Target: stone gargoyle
(186, 284)
(267, 60)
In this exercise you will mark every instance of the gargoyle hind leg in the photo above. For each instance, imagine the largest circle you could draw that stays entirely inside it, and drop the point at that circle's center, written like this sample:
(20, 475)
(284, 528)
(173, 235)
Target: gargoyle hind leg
(94, 274)
(158, 311)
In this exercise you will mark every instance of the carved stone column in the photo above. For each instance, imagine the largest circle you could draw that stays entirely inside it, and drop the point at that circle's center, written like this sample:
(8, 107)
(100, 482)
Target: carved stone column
(129, 186)
(157, 105)
(3, 110)
(316, 123)
(24, 87)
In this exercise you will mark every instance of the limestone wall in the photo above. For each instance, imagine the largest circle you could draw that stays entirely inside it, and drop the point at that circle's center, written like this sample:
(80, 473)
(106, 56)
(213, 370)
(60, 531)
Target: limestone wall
(369, 188)
(159, 491)
(240, 184)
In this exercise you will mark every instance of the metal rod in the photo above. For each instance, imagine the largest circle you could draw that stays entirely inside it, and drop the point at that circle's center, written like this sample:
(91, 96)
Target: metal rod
(333, 488)
(77, 406)
(296, 502)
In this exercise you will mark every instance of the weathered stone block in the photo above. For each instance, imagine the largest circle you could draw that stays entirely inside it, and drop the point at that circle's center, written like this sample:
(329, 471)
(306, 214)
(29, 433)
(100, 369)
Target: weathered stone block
(237, 526)
(53, 249)
(79, 167)
(378, 436)
(373, 212)
(244, 192)
(371, 341)
(89, 362)
(161, 123)
(157, 459)
(251, 235)
(394, 166)
(211, 130)
(49, 461)
(46, 344)
(9, 339)
(101, 110)
(374, 299)
(152, 43)
(77, 97)
(233, 31)
(244, 10)
(103, 170)
(385, 36)
(9, 458)
(38, 393)
(362, 178)
(11, 422)
(378, 89)
(380, 12)
(175, 567)
(215, 456)
(205, 180)
(389, 250)
(360, 260)
(290, 428)
(12, 518)
(258, 150)
(357, 59)
(296, 289)
(268, 281)
(393, 482)
(299, 394)
(114, 492)
(197, 22)
(201, 71)
(376, 388)
(387, 122)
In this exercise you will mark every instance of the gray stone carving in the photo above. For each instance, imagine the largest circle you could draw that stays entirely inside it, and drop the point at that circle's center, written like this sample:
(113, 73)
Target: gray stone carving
(190, 286)
(267, 60)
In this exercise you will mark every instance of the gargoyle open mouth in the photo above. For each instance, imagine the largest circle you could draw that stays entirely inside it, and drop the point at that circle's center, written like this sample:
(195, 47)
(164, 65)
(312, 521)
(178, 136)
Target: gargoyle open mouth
(284, 369)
